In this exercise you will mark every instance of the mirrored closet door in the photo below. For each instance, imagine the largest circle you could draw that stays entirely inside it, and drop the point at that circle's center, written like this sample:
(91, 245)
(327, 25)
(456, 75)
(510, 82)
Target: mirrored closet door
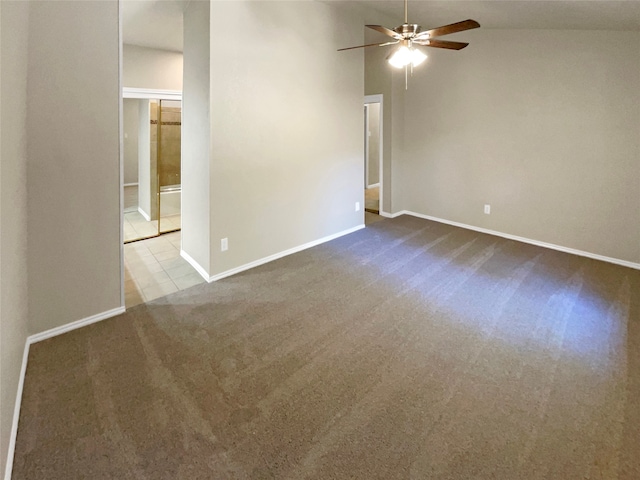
(152, 163)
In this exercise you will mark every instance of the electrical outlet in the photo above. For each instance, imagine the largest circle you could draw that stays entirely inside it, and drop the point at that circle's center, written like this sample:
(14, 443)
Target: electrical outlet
(224, 244)
(357, 206)
(487, 209)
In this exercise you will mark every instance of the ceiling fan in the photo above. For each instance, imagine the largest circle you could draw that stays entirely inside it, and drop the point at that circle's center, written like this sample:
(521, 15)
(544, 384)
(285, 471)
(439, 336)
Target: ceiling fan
(410, 34)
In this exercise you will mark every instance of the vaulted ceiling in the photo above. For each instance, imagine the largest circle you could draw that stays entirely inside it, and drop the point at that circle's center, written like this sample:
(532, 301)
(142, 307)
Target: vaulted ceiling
(158, 23)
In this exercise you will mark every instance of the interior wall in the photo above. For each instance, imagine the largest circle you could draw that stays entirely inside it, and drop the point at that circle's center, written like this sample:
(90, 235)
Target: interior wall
(13, 209)
(196, 136)
(547, 136)
(73, 162)
(286, 114)
(151, 68)
(130, 127)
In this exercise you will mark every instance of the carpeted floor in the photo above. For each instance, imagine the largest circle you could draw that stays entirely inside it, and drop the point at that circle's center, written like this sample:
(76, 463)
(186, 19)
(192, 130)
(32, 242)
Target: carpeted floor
(407, 350)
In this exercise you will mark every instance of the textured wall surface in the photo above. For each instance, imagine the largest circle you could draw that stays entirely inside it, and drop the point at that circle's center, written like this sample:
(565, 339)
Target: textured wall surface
(13, 210)
(73, 166)
(548, 136)
(151, 68)
(286, 128)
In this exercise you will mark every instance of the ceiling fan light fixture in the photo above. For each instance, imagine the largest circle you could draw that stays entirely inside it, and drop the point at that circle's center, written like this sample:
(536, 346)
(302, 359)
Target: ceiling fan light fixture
(401, 57)
(417, 57)
(404, 56)
(410, 34)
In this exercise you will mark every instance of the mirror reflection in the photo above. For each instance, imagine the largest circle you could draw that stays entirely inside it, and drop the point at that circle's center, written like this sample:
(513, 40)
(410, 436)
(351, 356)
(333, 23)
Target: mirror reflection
(152, 163)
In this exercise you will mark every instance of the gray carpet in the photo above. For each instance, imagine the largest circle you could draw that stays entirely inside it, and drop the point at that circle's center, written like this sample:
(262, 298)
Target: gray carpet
(408, 350)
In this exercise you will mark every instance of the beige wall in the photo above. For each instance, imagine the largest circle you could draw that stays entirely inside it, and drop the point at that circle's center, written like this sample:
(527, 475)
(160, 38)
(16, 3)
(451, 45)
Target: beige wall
(73, 162)
(196, 136)
(151, 68)
(286, 114)
(548, 136)
(13, 209)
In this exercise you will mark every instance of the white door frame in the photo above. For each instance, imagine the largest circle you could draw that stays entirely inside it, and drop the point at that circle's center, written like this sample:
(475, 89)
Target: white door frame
(149, 93)
(368, 99)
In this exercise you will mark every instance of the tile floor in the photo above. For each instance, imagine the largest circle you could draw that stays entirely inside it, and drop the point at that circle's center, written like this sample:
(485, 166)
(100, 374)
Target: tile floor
(154, 268)
(136, 226)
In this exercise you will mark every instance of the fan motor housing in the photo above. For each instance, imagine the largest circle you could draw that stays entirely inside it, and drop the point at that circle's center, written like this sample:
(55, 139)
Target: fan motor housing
(408, 29)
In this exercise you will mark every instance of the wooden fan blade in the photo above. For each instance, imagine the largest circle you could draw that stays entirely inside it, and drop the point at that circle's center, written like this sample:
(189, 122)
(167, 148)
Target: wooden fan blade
(447, 29)
(442, 44)
(385, 30)
(370, 45)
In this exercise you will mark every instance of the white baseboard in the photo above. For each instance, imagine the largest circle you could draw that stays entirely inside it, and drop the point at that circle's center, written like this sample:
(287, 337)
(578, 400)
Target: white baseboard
(391, 215)
(16, 412)
(130, 184)
(144, 214)
(284, 253)
(38, 337)
(373, 185)
(560, 248)
(203, 273)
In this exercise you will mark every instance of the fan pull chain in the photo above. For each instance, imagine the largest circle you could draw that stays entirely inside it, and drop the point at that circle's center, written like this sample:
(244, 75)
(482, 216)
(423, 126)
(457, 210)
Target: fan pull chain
(406, 77)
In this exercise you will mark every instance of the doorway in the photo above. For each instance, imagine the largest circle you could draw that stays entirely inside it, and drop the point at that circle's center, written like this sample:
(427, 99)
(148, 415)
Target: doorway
(152, 190)
(373, 153)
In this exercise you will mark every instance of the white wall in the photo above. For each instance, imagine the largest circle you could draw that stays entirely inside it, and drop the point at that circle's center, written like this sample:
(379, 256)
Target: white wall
(73, 162)
(548, 136)
(130, 127)
(13, 209)
(286, 127)
(196, 136)
(151, 68)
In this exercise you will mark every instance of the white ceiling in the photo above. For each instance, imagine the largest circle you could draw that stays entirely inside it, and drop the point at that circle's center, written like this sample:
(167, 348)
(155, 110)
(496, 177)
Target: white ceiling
(158, 23)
